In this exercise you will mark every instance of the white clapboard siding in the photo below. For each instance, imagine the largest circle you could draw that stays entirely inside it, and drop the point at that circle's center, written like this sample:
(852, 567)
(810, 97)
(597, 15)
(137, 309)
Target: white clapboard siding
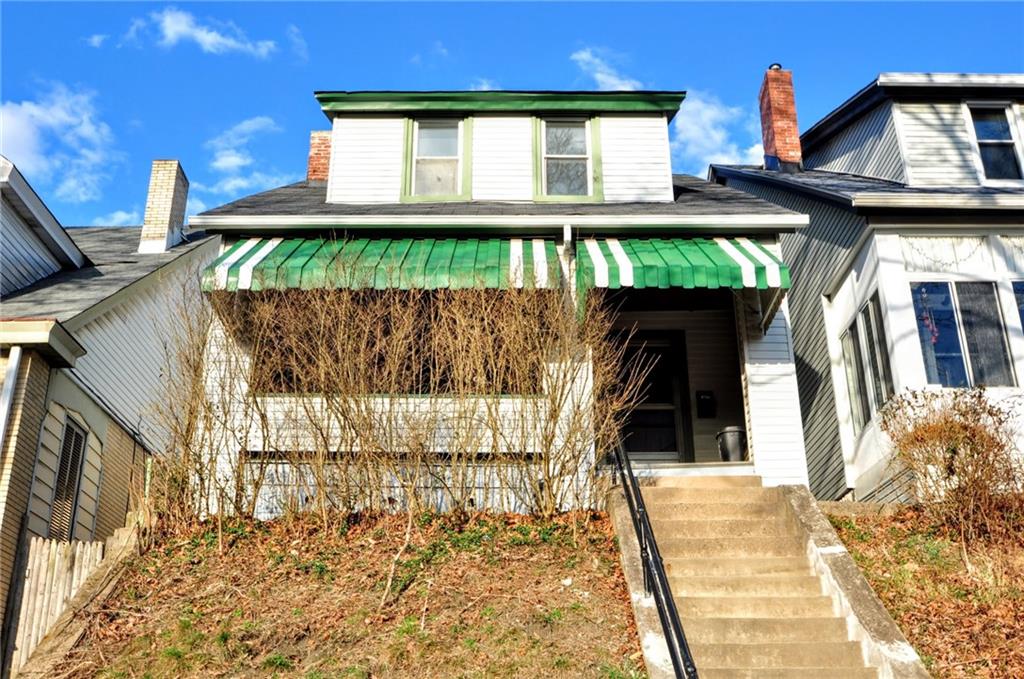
(54, 572)
(776, 433)
(635, 159)
(24, 258)
(502, 158)
(937, 144)
(868, 146)
(366, 160)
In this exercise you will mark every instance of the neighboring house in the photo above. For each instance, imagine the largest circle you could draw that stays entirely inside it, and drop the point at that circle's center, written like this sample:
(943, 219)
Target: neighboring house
(561, 190)
(81, 360)
(911, 273)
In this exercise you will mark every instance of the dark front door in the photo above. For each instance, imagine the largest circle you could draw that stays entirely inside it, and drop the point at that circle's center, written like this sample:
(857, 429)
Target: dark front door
(659, 428)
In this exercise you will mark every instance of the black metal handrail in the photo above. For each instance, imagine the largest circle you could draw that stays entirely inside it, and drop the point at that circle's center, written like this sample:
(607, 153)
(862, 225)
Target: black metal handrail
(655, 579)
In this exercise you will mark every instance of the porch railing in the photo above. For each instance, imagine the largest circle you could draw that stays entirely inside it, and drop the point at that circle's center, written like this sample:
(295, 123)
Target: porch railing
(655, 579)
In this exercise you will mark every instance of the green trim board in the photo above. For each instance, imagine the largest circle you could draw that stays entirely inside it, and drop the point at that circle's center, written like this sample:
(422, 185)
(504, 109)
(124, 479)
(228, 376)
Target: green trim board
(465, 162)
(660, 102)
(596, 166)
(678, 262)
(386, 263)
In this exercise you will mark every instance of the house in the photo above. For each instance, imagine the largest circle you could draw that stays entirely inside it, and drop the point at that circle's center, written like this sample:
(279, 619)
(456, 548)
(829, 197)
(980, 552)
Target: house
(911, 273)
(81, 361)
(564, 191)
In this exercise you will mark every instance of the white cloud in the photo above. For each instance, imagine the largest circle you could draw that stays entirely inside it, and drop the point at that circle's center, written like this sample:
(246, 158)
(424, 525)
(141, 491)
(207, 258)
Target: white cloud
(604, 74)
(59, 139)
(440, 50)
(299, 46)
(119, 218)
(483, 84)
(177, 26)
(131, 36)
(705, 130)
(194, 205)
(96, 40)
(231, 156)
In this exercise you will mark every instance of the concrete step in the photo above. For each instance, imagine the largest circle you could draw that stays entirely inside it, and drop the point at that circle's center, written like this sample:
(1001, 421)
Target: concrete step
(736, 567)
(673, 547)
(707, 482)
(747, 586)
(763, 630)
(757, 656)
(657, 495)
(789, 673)
(716, 510)
(754, 607)
(711, 528)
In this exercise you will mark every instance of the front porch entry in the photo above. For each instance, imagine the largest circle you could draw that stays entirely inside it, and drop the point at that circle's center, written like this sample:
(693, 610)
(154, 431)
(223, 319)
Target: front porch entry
(694, 389)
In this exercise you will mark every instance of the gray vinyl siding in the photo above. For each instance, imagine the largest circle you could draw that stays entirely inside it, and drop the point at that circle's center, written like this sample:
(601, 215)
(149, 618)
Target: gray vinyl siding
(868, 146)
(895, 488)
(812, 255)
(938, 144)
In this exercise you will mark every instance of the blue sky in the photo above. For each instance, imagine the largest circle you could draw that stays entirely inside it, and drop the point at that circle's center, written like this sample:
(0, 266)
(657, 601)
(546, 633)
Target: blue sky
(91, 93)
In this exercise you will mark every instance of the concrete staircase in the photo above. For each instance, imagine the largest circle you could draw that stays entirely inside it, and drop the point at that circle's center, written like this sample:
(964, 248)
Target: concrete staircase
(748, 598)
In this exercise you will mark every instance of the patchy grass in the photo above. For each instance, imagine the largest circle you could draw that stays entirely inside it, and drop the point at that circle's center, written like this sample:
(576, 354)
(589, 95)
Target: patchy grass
(499, 596)
(963, 621)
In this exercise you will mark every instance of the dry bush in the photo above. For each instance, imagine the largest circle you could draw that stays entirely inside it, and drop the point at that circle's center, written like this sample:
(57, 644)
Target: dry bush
(346, 400)
(958, 447)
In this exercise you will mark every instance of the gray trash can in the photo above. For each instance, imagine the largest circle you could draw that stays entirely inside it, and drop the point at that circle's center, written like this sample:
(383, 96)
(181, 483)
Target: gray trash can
(732, 444)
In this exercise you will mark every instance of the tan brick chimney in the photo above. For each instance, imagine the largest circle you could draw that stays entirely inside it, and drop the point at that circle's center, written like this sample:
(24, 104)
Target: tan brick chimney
(779, 130)
(319, 156)
(165, 207)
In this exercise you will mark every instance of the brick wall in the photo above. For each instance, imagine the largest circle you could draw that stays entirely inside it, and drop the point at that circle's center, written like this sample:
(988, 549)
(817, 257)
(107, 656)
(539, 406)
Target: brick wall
(319, 155)
(121, 487)
(779, 129)
(17, 459)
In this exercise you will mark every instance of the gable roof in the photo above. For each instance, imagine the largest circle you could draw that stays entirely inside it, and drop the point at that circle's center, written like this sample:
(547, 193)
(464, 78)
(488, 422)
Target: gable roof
(114, 264)
(899, 85)
(859, 192)
(33, 210)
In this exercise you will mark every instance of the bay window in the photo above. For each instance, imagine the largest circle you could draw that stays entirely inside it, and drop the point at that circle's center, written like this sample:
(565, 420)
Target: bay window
(866, 359)
(962, 337)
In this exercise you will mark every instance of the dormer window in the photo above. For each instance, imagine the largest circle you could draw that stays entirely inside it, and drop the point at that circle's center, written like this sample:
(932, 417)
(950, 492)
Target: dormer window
(568, 159)
(436, 158)
(999, 150)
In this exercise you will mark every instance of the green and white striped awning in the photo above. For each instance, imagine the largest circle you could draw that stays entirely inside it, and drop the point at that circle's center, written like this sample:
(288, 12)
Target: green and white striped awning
(408, 263)
(677, 263)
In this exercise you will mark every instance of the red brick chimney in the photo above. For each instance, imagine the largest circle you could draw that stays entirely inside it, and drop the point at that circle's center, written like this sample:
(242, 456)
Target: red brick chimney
(319, 155)
(779, 130)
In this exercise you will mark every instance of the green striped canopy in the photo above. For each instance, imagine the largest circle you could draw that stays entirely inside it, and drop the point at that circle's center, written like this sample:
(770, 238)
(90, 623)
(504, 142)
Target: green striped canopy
(408, 263)
(677, 263)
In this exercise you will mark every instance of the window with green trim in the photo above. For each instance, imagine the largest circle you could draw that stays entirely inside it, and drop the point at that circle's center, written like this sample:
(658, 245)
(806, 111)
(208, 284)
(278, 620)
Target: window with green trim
(436, 158)
(567, 159)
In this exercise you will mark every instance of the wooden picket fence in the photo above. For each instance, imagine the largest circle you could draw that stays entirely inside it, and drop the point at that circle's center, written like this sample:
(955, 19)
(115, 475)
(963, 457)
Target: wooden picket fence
(54, 571)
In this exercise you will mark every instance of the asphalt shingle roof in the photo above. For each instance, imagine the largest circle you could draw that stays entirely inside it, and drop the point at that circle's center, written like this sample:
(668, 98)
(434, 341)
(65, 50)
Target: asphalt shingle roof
(114, 265)
(694, 196)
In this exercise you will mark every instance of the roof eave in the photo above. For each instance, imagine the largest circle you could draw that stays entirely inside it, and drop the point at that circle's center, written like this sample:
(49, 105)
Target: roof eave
(34, 211)
(45, 335)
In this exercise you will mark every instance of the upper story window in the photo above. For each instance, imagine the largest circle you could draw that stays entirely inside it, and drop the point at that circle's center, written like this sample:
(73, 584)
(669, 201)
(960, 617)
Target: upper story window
(999, 149)
(437, 158)
(866, 357)
(568, 159)
(951, 316)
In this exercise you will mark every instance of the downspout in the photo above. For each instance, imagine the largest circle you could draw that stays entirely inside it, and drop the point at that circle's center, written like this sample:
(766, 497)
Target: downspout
(7, 396)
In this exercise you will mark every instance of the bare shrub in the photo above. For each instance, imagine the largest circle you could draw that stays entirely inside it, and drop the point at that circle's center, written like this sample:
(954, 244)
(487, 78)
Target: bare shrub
(958, 447)
(339, 400)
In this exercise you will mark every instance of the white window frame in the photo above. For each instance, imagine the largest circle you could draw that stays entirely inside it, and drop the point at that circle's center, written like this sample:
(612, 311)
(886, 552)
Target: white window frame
(544, 153)
(857, 323)
(951, 280)
(415, 156)
(1014, 118)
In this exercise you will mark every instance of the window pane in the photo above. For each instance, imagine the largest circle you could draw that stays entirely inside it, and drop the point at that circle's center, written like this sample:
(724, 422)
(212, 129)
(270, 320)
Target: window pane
(1018, 292)
(567, 177)
(566, 139)
(871, 359)
(983, 331)
(999, 161)
(882, 347)
(855, 379)
(991, 123)
(438, 139)
(437, 177)
(937, 331)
